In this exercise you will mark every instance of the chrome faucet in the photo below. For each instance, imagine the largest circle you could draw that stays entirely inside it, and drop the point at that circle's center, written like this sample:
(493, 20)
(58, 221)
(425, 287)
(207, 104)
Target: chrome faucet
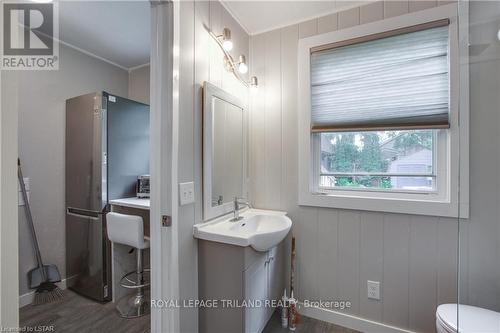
(236, 211)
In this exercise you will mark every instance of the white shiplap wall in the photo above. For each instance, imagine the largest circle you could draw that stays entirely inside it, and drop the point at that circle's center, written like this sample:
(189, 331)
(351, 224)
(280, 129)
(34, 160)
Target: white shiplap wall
(201, 60)
(414, 257)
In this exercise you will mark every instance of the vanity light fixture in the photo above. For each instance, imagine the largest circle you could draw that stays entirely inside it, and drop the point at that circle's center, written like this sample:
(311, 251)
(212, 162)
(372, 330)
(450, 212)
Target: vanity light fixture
(241, 67)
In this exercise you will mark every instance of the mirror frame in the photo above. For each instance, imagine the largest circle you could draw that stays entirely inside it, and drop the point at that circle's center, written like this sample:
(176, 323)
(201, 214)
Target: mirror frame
(209, 92)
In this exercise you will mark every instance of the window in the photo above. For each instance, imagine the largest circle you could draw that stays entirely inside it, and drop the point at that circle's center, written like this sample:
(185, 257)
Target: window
(396, 83)
(378, 160)
(379, 129)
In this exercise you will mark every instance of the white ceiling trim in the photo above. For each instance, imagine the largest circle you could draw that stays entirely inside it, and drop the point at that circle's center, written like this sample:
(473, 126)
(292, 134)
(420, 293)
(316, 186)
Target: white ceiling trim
(354, 4)
(235, 17)
(90, 54)
(138, 67)
(309, 17)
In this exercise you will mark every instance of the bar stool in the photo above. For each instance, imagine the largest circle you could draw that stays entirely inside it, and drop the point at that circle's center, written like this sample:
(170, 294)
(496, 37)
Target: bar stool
(129, 230)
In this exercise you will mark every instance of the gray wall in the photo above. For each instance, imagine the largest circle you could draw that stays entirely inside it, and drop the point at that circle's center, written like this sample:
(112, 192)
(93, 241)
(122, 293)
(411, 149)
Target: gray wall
(414, 257)
(138, 84)
(201, 60)
(480, 235)
(42, 99)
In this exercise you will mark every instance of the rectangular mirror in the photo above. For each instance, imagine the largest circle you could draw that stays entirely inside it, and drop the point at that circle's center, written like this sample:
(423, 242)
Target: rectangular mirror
(224, 151)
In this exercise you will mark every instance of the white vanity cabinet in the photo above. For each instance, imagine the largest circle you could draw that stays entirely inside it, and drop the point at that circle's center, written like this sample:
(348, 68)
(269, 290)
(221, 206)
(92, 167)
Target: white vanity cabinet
(263, 280)
(229, 272)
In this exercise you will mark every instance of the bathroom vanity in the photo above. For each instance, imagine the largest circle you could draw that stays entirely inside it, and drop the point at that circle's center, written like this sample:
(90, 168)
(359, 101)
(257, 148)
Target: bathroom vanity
(241, 266)
(231, 273)
(241, 257)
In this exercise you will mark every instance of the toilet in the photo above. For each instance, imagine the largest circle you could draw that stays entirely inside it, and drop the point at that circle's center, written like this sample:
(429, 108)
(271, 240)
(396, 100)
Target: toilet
(472, 319)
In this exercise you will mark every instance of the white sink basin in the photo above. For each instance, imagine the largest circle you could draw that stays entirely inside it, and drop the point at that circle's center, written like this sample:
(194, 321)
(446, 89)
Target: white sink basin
(260, 229)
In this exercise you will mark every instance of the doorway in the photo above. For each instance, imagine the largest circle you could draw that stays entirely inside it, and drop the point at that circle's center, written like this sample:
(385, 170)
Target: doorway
(81, 66)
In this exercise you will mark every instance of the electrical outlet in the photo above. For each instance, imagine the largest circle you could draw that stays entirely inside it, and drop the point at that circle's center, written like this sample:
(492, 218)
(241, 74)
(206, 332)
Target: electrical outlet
(373, 289)
(186, 193)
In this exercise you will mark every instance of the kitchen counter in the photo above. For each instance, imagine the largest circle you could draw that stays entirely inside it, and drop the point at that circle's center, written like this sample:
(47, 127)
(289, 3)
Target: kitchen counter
(134, 202)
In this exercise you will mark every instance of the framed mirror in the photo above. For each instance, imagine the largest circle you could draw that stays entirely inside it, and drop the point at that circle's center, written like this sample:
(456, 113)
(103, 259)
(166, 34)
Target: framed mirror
(224, 151)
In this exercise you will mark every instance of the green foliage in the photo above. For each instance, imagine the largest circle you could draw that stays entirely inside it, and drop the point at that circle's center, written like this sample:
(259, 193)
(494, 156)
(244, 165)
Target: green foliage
(346, 182)
(385, 182)
(370, 157)
(347, 155)
(408, 140)
(345, 152)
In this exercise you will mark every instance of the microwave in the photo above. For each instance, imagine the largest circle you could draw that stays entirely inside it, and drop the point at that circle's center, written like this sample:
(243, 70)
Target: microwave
(142, 188)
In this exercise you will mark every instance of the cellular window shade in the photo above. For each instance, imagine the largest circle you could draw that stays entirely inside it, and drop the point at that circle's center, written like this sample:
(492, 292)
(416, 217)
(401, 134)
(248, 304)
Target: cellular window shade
(396, 82)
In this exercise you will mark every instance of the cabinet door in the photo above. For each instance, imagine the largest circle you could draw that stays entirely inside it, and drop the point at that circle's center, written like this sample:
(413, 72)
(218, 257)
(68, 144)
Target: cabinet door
(276, 275)
(256, 288)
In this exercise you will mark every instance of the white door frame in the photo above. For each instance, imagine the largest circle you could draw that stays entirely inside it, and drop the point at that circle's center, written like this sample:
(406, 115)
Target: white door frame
(164, 127)
(164, 152)
(9, 262)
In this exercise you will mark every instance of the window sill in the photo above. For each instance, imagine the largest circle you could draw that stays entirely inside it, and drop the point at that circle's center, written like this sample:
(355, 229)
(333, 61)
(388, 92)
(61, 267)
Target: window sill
(430, 206)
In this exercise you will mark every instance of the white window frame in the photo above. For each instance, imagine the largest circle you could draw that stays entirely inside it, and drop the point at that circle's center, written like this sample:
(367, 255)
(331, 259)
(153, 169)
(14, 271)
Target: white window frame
(451, 144)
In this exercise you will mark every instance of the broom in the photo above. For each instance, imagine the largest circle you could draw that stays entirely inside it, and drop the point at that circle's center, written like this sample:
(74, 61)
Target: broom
(293, 315)
(43, 276)
(292, 266)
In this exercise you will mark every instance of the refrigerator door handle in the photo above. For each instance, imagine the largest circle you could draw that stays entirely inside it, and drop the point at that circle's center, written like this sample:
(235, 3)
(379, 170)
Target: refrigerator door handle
(85, 213)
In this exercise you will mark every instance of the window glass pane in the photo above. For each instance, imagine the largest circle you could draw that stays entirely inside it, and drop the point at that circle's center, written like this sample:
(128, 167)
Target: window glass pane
(383, 160)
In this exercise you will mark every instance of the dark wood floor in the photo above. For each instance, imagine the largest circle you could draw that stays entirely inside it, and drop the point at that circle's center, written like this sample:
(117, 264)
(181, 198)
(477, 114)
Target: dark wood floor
(307, 325)
(77, 314)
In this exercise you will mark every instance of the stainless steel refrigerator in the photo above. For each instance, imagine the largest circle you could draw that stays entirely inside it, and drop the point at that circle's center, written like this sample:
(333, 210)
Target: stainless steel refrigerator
(107, 147)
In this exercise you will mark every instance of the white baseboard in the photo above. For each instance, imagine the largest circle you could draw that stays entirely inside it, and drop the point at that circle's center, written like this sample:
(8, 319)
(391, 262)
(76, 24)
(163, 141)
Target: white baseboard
(28, 298)
(349, 321)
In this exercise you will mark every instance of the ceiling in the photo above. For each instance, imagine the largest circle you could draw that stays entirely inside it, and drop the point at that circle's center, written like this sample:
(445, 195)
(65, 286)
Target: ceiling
(117, 31)
(261, 16)
(104, 28)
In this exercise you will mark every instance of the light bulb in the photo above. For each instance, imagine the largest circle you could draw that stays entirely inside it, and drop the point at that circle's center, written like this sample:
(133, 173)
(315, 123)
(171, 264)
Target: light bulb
(242, 66)
(227, 45)
(254, 84)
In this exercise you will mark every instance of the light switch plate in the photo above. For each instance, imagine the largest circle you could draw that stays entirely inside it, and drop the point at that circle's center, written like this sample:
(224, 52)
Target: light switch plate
(186, 193)
(373, 289)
